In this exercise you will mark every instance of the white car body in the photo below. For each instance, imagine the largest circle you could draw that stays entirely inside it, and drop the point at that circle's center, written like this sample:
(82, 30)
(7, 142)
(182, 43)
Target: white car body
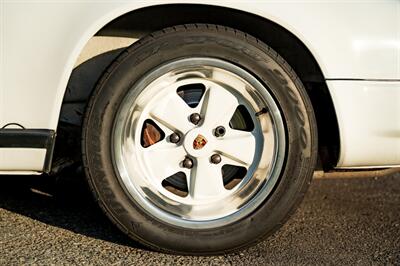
(355, 43)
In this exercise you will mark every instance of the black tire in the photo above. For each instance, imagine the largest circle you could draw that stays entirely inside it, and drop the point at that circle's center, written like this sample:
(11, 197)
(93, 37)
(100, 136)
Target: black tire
(211, 41)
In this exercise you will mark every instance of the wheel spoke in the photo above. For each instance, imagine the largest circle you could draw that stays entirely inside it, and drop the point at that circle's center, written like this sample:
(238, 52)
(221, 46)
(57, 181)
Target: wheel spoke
(218, 106)
(164, 159)
(239, 146)
(172, 112)
(205, 180)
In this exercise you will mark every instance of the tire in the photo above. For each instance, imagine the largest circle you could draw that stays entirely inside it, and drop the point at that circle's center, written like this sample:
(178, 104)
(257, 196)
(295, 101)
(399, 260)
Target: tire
(268, 204)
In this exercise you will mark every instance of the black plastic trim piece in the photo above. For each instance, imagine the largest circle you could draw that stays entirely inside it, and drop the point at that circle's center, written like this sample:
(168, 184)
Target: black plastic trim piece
(30, 138)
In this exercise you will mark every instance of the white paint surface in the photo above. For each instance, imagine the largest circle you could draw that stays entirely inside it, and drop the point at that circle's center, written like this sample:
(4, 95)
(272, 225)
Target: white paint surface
(40, 42)
(21, 159)
(369, 115)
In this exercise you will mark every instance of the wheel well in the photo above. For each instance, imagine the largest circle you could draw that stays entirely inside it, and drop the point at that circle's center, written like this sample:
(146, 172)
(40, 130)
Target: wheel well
(140, 22)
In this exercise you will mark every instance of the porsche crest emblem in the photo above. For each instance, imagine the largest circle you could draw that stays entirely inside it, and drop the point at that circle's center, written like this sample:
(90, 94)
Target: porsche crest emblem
(199, 142)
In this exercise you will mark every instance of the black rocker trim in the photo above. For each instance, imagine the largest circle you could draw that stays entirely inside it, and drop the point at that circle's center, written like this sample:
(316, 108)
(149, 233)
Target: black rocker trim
(30, 138)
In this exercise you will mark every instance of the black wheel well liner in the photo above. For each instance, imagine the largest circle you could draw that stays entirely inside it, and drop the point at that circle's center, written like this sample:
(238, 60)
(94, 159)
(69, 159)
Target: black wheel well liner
(138, 23)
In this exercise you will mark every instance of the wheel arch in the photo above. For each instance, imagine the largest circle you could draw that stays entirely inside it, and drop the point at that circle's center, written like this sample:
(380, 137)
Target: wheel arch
(289, 44)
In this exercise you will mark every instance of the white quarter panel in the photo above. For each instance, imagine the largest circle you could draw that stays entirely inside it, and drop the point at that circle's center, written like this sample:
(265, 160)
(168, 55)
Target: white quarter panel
(21, 159)
(41, 41)
(369, 115)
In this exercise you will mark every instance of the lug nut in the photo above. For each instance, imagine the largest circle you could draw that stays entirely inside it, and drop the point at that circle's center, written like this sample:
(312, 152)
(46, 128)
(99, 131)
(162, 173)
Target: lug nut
(195, 118)
(219, 131)
(187, 163)
(174, 138)
(215, 158)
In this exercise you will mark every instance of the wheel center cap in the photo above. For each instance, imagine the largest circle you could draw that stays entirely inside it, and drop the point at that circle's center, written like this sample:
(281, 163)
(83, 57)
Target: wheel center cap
(199, 142)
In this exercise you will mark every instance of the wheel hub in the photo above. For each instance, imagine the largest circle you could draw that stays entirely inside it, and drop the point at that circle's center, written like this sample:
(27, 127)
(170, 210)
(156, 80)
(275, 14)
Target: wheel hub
(198, 143)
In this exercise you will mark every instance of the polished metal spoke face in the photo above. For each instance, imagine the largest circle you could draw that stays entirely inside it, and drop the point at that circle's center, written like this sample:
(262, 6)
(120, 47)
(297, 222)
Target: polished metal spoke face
(192, 148)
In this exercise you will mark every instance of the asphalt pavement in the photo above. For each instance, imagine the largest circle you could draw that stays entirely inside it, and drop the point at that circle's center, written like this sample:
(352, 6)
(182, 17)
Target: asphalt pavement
(341, 221)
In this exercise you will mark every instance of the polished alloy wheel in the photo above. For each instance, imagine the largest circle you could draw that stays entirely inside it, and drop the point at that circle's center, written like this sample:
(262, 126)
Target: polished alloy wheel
(199, 142)
(199, 139)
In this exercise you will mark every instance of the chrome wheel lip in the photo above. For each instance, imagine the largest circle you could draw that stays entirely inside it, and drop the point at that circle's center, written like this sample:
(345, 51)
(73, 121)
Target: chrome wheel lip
(259, 196)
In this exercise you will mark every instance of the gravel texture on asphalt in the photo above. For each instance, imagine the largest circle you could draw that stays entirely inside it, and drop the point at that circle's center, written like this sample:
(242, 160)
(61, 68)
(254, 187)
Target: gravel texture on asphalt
(45, 220)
